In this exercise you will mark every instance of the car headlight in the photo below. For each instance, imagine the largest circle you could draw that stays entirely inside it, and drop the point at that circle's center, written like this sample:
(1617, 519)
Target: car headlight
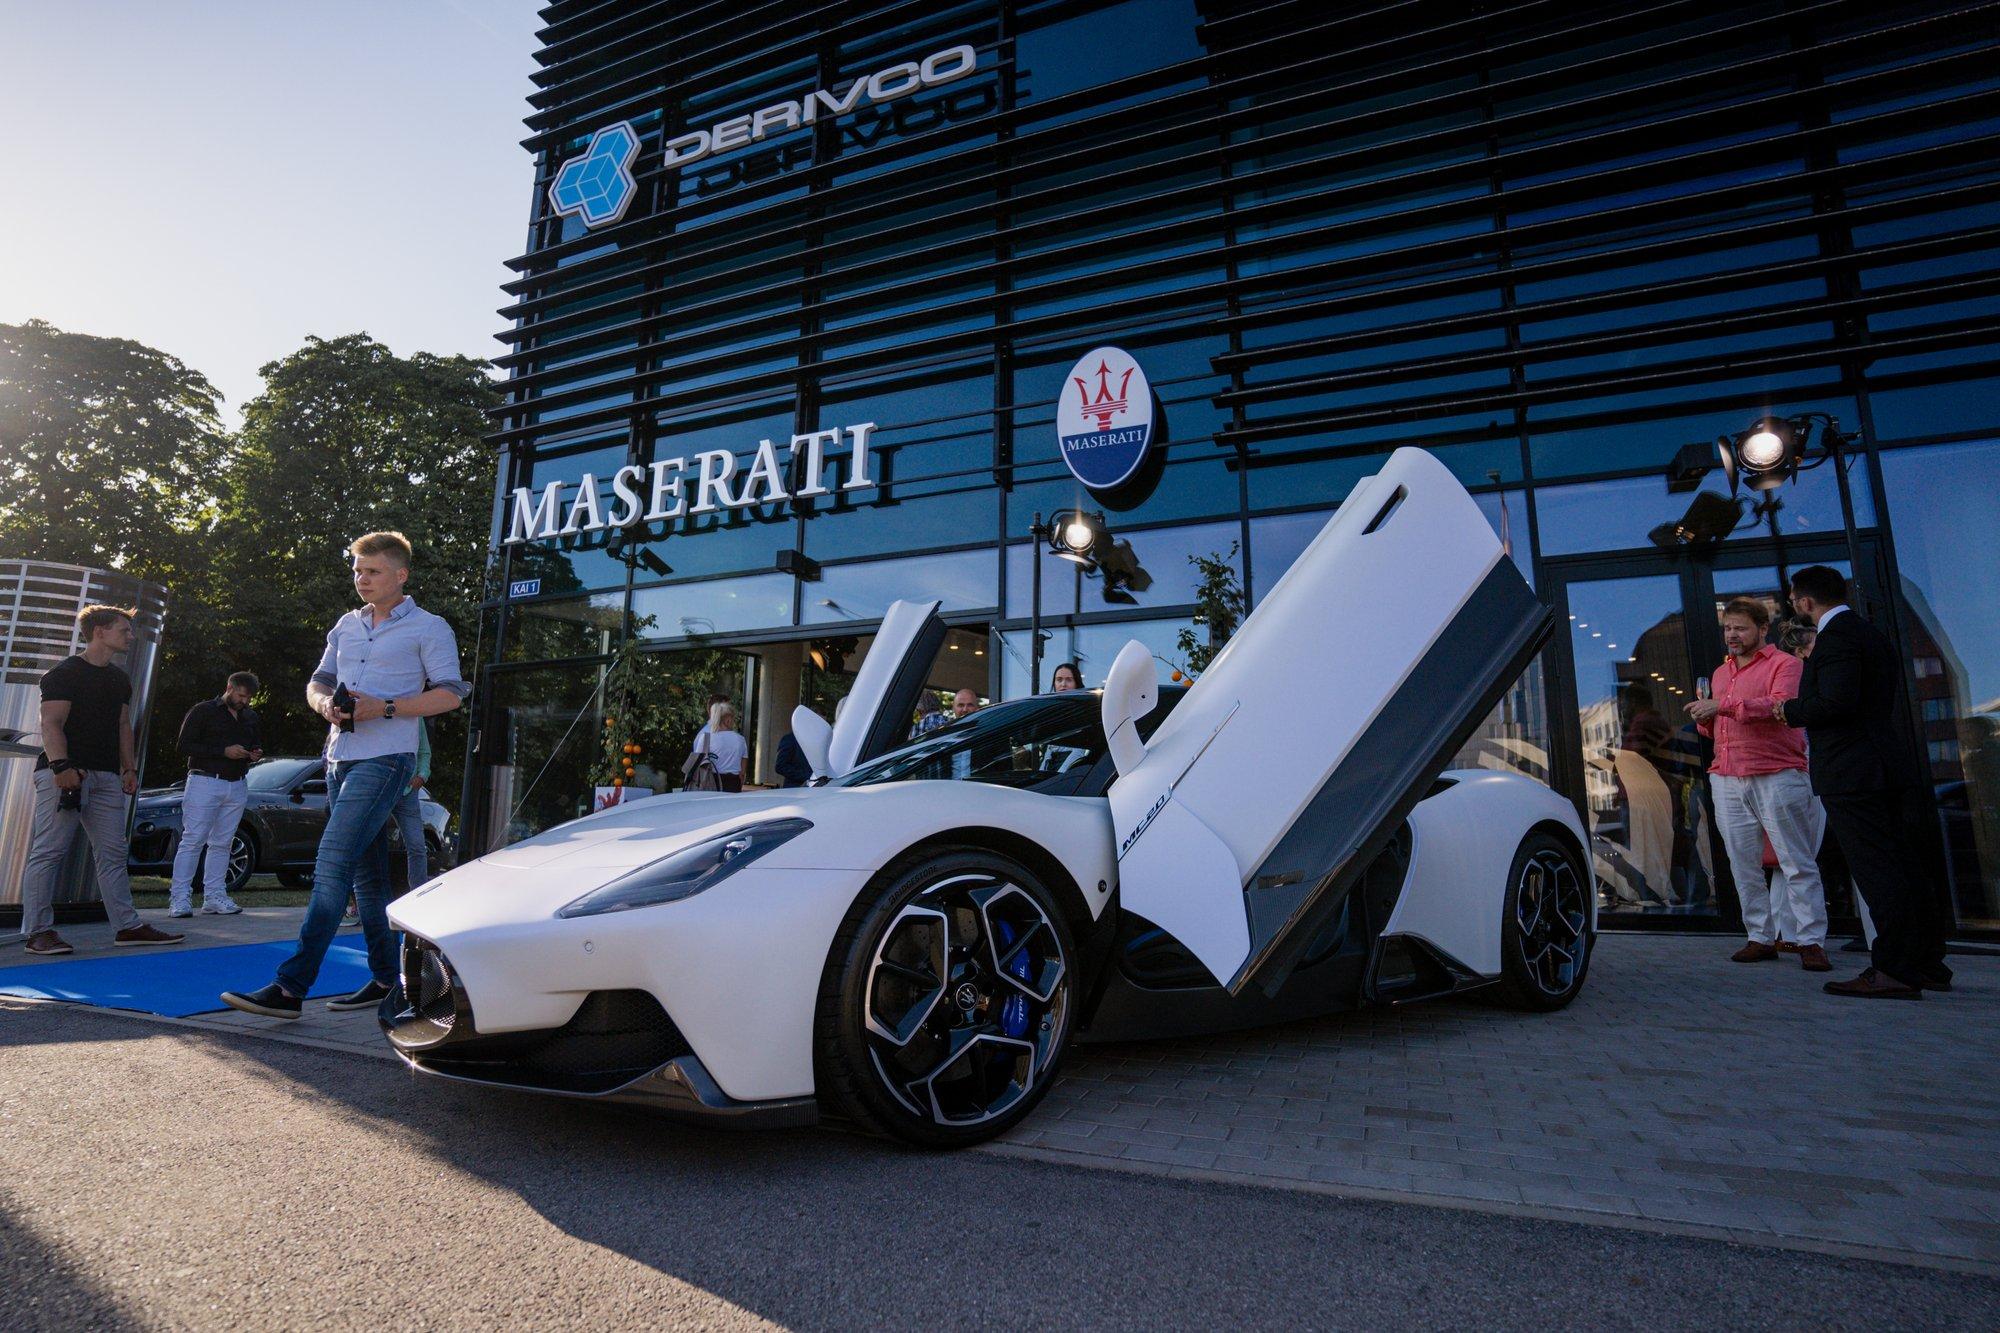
(689, 871)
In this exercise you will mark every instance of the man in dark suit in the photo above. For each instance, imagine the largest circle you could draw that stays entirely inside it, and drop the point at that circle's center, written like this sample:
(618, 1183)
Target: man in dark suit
(1862, 753)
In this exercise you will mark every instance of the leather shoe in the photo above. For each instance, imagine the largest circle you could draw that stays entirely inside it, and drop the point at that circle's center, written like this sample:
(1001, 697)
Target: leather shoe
(1754, 952)
(1939, 980)
(1812, 958)
(1874, 985)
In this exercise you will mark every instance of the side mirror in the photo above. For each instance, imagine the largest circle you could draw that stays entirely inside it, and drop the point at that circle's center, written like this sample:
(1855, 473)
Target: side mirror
(1131, 691)
(815, 737)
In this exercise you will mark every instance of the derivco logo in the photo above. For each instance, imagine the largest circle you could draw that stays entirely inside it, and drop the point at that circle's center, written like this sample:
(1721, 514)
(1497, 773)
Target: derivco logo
(598, 185)
(885, 85)
(1104, 420)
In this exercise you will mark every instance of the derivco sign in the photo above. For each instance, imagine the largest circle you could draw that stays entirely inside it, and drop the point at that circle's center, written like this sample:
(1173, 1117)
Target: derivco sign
(879, 88)
(1104, 419)
(673, 487)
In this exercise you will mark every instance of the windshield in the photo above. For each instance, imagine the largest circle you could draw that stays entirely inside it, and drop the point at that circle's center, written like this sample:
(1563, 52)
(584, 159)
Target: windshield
(278, 774)
(1025, 743)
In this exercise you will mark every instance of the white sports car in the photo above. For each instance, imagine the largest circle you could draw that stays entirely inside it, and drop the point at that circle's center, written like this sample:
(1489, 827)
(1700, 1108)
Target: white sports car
(913, 942)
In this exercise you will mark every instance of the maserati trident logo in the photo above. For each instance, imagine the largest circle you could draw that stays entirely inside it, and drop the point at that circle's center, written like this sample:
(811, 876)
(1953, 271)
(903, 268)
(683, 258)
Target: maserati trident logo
(1104, 420)
(597, 185)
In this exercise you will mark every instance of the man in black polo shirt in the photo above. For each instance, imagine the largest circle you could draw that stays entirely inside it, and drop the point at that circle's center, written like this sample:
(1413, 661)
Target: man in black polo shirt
(87, 772)
(220, 739)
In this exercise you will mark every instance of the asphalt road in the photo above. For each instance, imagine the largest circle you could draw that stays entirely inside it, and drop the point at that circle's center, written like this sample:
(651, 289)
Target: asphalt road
(159, 1177)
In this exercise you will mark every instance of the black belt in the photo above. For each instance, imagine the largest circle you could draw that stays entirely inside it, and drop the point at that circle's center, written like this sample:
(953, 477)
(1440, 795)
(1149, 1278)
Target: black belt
(210, 773)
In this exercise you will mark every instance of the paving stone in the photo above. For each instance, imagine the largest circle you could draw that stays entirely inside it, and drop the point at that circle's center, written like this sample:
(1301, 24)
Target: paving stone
(1678, 1088)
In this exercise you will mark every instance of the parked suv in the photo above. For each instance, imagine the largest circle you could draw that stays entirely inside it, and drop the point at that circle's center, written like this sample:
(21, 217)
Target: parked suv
(280, 829)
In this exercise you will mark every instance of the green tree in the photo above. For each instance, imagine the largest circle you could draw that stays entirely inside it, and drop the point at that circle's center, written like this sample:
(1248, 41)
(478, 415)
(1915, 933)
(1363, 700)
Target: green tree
(1218, 601)
(110, 452)
(654, 703)
(111, 455)
(347, 437)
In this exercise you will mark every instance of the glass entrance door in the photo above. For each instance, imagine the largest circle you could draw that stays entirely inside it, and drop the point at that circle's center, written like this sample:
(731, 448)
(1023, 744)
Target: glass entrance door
(1642, 633)
(1641, 760)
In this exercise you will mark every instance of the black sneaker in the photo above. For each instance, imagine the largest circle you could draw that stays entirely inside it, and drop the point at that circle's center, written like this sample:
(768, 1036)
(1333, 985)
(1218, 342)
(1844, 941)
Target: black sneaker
(271, 1002)
(366, 998)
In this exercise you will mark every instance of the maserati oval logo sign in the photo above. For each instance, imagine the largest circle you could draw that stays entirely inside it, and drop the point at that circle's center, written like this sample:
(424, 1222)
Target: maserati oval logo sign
(1104, 420)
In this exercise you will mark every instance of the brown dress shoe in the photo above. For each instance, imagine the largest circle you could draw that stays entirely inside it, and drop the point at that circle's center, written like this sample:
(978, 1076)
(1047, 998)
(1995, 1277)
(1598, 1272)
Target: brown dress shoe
(1812, 957)
(146, 935)
(1874, 985)
(48, 942)
(1754, 952)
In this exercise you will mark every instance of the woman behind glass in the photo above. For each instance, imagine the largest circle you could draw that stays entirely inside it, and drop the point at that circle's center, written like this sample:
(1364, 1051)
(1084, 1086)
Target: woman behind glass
(726, 746)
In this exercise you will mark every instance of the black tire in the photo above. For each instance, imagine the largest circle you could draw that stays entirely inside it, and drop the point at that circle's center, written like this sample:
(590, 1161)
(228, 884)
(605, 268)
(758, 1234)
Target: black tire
(294, 878)
(1546, 937)
(968, 958)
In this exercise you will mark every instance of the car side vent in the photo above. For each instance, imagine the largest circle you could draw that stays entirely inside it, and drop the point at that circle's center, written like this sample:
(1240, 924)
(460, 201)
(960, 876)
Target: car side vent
(1389, 506)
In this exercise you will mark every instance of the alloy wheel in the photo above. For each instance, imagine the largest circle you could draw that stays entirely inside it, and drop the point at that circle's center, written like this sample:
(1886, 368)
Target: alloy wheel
(966, 1000)
(1552, 914)
(239, 862)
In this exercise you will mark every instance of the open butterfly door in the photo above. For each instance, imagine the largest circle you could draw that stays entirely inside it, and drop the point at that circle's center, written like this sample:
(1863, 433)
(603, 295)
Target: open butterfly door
(875, 717)
(1306, 742)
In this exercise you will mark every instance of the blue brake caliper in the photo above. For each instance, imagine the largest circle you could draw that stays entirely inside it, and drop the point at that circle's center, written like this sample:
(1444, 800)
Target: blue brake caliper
(1014, 1013)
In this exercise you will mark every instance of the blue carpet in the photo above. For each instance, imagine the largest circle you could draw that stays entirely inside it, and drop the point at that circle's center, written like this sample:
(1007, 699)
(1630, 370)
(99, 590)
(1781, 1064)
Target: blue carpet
(177, 981)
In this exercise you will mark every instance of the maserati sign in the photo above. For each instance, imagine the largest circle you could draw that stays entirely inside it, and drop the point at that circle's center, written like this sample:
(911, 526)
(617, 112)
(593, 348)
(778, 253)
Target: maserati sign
(673, 487)
(1104, 420)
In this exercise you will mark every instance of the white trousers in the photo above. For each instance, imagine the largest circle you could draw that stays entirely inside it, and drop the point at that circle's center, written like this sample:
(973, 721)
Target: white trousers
(210, 812)
(1782, 807)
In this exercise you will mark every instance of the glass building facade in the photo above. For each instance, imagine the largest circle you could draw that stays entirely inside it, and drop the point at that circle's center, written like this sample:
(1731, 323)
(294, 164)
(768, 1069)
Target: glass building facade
(1554, 245)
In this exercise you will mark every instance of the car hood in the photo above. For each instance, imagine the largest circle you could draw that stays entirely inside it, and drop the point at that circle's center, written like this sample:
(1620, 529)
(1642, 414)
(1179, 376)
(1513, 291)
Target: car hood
(854, 829)
(526, 882)
(631, 835)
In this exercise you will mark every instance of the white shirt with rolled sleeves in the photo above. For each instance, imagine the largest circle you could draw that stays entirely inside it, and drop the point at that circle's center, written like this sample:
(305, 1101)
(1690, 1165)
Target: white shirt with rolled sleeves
(409, 652)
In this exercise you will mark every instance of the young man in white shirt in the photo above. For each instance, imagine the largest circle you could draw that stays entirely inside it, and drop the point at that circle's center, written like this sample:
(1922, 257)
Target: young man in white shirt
(397, 663)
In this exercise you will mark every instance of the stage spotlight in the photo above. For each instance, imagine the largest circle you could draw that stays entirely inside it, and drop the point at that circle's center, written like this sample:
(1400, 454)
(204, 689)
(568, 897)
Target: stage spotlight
(1765, 456)
(1075, 535)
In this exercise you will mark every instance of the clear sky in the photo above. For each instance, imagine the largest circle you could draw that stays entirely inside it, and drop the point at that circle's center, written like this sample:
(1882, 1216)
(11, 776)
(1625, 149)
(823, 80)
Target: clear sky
(221, 178)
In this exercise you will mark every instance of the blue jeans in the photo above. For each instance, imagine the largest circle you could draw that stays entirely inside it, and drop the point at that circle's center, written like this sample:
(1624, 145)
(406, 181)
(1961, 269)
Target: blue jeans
(409, 818)
(353, 858)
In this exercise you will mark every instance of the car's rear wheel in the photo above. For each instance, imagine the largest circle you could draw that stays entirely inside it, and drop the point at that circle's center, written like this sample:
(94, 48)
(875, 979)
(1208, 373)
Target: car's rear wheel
(295, 878)
(946, 1002)
(1546, 936)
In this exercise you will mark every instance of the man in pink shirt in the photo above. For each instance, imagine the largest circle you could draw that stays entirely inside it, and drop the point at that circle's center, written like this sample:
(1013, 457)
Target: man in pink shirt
(1761, 789)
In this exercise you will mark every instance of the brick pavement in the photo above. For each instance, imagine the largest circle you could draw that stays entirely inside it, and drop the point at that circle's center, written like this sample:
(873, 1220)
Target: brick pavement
(1679, 1089)
(1681, 1092)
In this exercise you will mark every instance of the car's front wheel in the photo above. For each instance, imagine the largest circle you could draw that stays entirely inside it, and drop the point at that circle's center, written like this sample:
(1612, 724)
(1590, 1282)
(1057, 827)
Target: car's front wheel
(946, 1002)
(1546, 936)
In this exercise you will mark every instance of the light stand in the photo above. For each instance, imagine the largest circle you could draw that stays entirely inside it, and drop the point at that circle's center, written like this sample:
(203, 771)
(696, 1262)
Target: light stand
(1038, 534)
(1072, 534)
(1794, 434)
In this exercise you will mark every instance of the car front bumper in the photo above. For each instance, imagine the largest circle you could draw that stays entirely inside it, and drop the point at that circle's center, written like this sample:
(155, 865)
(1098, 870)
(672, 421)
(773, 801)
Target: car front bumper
(737, 966)
(619, 1047)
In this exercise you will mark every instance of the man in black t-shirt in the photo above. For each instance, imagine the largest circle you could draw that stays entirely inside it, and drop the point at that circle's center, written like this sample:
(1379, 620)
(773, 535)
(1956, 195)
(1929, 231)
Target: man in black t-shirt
(87, 772)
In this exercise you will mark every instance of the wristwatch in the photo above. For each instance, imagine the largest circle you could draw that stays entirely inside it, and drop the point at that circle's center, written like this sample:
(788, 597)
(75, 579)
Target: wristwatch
(60, 765)
(389, 708)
